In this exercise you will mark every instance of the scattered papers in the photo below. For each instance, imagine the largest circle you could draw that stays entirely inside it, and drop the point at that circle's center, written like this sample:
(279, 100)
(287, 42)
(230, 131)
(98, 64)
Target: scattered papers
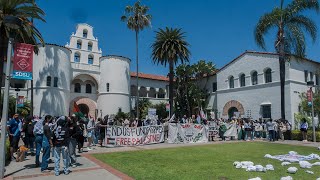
(309, 172)
(285, 163)
(305, 164)
(269, 167)
(287, 178)
(316, 164)
(257, 178)
(292, 170)
(293, 156)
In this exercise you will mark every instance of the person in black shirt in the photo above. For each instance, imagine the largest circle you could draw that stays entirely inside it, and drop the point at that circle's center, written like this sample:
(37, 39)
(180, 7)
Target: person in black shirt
(60, 144)
(29, 139)
(74, 133)
(103, 126)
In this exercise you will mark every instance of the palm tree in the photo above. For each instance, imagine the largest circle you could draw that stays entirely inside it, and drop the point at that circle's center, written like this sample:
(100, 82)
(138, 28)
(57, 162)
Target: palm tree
(169, 47)
(137, 19)
(26, 11)
(291, 27)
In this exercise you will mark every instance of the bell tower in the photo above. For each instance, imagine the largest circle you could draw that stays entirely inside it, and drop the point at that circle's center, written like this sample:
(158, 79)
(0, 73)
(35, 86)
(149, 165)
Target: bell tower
(84, 46)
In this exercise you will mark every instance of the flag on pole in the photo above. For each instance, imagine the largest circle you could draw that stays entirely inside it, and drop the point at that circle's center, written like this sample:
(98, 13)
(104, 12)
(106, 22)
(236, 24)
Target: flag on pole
(202, 114)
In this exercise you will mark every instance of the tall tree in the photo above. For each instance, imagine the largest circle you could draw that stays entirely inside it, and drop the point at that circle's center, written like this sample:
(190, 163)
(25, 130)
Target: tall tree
(137, 19)
(169, 47)
(191, 86)
(291, 27)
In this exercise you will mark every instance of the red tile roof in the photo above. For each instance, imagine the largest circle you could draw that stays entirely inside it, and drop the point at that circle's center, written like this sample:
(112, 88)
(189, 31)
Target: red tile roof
(150, 76)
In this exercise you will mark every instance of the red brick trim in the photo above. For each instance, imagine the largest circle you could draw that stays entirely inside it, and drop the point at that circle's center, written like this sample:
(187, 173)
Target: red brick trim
(107, 167)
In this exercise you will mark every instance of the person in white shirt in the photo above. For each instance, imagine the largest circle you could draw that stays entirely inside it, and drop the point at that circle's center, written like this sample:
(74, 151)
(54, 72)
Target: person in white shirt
(270, 127)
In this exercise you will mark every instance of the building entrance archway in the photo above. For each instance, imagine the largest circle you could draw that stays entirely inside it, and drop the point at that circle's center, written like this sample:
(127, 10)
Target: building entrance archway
(86, 105)
(231, 107)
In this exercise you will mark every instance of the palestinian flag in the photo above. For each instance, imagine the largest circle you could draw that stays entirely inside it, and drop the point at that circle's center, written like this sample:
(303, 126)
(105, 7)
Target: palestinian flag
(76, 110)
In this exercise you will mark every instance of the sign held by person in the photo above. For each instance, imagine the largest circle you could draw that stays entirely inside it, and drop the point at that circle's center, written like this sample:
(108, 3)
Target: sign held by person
(126, 136)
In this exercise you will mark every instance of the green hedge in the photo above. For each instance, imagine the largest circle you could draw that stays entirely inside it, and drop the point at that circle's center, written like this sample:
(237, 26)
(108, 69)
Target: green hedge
(296, 135)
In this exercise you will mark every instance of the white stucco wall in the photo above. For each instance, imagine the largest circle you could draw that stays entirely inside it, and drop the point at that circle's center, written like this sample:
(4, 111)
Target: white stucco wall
(115, 70)
(52, 61)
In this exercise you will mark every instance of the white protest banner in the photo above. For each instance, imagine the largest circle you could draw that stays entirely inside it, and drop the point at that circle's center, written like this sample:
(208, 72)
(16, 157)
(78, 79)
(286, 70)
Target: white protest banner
(188, 133)
(127, 136)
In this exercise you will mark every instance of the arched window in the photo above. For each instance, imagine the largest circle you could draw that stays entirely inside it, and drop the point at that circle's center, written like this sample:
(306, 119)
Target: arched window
(90, 46)
(77, 88)
(254, 78)
(88, 88)
(231, 82)
(242, 79)
(133, 90)
(161, 93)
(55, 82)
(152, 93)
(49, 81)
(77, 57)
(85, 33)
(79, 44)
(90, 59)
(268, 76)
(143, 91)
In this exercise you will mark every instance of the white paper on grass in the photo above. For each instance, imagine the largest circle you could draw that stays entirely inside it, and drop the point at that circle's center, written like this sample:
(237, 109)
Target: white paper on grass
(238, 166)
(251, 169)
(292, 170)
(293, 153)
(247, 163)
(318, 179)
(256, 178)
(310, 172)
(287, 178)
(285, 163)
(316, 164)
(269, 167)
(305, 164)
(260, 168)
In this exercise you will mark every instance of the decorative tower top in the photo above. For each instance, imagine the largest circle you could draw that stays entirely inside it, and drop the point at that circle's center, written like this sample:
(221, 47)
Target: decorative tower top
(84, 46)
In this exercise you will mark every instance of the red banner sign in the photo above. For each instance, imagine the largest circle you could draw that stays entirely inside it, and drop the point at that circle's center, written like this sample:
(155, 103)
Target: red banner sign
(22, 61)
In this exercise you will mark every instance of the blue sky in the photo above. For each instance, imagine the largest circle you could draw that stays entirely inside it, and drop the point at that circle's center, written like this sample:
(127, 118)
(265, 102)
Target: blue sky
(217, 31)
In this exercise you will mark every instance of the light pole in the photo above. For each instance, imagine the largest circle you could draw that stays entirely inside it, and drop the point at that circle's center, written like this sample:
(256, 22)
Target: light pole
(310, 84)
(13, 23)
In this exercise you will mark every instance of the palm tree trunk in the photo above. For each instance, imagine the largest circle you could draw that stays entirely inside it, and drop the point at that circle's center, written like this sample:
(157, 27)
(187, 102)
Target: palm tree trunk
(137, 77)
(282, 83)
(171, 73)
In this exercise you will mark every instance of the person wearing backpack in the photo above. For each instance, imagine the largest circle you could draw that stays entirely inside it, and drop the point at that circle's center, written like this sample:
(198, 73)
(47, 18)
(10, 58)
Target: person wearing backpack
(60, 146)
(27, 128)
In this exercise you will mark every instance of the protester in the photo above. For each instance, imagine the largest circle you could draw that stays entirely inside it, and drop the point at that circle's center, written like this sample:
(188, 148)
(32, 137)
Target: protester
(81, 135)
(60, 144)
(46, 145)
(38, 132)
(29, 139)
(90, 132)
(102, 126)
(74, 132)
(270, 127)
(304, 129)
(14, 127)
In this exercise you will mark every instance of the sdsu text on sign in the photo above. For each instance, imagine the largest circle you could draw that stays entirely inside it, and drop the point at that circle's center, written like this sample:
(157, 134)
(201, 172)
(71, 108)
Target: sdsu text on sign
(22, 61)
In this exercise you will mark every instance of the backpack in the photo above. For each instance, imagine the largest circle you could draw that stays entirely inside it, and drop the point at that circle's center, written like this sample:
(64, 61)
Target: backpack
(38, 127)
(30, 128)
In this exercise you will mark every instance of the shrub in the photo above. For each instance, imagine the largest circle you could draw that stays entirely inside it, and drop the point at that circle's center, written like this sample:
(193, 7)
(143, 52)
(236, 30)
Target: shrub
(296, 135)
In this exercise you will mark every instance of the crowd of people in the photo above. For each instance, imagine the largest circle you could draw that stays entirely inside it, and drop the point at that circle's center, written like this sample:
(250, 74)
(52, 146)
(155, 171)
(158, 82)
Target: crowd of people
(63, 136)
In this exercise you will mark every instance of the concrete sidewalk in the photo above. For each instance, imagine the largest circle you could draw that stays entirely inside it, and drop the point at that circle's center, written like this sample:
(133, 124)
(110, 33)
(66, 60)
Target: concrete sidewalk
(91, 168)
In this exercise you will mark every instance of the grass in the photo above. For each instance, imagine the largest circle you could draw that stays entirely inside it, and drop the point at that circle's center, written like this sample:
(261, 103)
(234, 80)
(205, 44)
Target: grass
(207, 162)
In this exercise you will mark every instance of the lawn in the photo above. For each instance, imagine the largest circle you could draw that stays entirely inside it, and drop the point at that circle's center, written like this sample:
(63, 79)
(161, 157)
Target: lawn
(207, 162)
